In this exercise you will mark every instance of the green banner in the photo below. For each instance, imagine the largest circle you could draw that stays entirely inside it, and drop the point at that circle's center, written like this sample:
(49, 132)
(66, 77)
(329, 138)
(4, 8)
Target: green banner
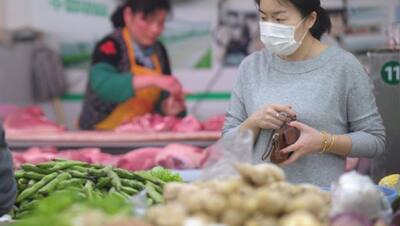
(80, 7)
(214, 96)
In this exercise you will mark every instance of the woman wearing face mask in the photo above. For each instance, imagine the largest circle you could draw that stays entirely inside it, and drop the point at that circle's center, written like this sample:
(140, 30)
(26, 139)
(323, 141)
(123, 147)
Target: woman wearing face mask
(130, 73)
(325, 90)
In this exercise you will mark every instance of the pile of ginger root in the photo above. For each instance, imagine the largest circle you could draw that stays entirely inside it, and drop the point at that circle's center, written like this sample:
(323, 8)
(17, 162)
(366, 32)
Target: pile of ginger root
(260, 196)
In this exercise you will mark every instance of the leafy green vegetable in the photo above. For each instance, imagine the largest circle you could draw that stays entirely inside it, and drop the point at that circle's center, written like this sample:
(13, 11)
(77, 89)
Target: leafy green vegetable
(165, 175)
(63, 206)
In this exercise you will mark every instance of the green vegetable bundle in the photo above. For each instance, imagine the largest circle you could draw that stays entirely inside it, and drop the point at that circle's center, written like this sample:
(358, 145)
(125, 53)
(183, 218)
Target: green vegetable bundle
(65, 207)
(38, 181)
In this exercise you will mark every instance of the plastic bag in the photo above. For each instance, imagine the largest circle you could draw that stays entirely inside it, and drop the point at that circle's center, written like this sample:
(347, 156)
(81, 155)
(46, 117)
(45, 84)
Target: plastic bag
(5, 219)
(139, 204)
(231, 149)
(358, 194)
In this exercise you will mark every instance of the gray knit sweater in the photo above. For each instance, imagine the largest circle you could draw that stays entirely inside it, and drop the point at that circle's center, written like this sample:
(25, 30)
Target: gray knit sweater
(330, 92)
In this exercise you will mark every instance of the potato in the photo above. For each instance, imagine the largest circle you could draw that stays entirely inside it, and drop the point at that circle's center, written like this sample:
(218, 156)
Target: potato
(311, 188)
(299, 218)
(171, 214)
(258, 198)
(273, 170)
(230, 186)
(233, 217)
(307, 188)
(270, 202)
(170, 221)
(250, 205)
(310, 202)
(259, 175)
(172, 190)
(206, 184)
(246, 190)
(250, 175)
(323, 214)
(153, 213)
(215, 204)
(235, 201)
(124, 222)
(252, 222)
(193, 203)
(205, 217)
(327, 197)
(284, 187)
(184, 192)
(261, 222)
(194, 221)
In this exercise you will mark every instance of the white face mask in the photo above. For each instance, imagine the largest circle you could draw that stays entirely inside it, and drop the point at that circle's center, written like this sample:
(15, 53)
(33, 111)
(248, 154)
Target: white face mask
(280, 38)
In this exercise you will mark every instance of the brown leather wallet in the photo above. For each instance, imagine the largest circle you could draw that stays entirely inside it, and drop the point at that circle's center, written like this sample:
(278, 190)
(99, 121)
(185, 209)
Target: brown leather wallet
(280, 139)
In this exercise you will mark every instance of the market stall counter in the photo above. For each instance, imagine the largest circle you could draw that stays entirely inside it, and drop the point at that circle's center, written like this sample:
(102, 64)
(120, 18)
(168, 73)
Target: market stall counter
(109, 140)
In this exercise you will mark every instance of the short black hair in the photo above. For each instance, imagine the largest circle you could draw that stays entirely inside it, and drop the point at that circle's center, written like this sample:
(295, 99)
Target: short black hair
(323, 23)
(146, 6)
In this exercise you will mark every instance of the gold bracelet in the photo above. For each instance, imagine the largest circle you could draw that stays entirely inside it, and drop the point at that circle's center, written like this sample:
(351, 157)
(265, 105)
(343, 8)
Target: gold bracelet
(324, 141)
(332, 142)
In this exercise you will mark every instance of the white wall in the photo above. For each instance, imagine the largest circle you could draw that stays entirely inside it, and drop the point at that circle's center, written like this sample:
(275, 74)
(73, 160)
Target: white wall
(17, 13)
(394, 4)
(61, 24)
(2, 14)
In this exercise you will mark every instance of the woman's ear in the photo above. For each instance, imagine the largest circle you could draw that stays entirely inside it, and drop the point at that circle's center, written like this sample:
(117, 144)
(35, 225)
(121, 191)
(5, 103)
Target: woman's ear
(311, 20)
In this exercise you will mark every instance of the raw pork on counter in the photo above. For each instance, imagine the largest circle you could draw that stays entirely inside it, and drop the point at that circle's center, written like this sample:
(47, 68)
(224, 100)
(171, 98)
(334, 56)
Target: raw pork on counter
(37, 155)
(178, 156)
(149, 123)
(34, 155)
(158, 123)
(173, 156)
(6, 110)
(89, 155)
(188, 124)
(139, 159)
(30, 119)
(215, 123)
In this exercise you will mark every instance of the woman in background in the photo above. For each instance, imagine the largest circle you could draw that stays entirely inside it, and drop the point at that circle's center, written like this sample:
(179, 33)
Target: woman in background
(130, 74)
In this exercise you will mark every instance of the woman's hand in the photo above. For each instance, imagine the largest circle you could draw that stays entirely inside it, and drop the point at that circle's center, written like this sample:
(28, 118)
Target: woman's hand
(272, 116)
(310, 142)
(170, 84)
(173, 105)
(167, 83)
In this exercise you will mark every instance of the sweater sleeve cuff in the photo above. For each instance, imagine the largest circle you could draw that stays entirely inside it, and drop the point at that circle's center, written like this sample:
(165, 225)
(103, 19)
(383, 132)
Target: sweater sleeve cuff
(360, 147)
